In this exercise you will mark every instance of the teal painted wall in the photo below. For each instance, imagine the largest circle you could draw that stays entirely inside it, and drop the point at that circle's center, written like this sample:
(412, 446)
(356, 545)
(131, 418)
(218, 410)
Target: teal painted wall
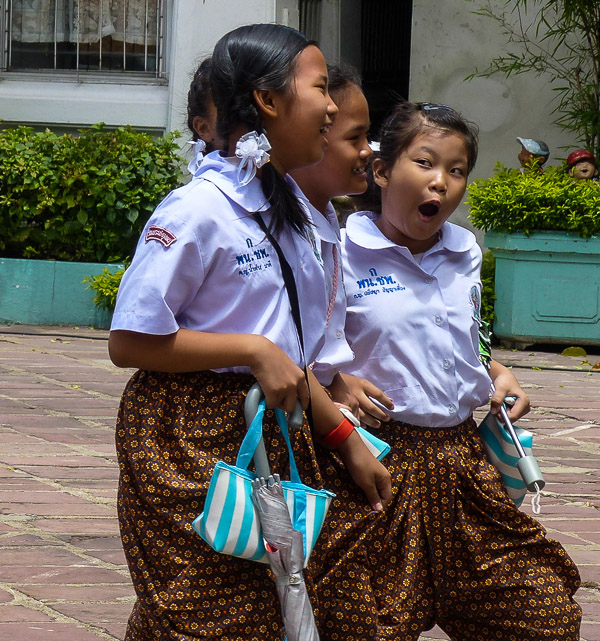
(547, 287)
(45, 292)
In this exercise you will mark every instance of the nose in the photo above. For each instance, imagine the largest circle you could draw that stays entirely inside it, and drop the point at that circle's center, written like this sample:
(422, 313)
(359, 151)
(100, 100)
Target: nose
(365, 152)
(439, 181)
(332, 108)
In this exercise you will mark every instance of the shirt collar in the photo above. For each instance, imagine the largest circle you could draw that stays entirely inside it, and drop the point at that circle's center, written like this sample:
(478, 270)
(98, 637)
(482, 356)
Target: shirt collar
(326, 224)
(221, 172)
(362, 231)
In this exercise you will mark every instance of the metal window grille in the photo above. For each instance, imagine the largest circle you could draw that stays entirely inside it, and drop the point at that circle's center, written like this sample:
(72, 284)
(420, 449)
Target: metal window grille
(84, 35)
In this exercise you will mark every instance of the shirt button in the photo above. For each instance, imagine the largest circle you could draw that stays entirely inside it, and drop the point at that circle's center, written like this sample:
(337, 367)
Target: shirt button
(451, 408)
(429, 279)
(301, 264)
(446, 364)
(339, 334)
(438, 320)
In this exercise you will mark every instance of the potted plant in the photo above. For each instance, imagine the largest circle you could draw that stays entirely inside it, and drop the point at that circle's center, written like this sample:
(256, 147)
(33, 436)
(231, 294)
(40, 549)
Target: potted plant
(544, 232)
(71, 208)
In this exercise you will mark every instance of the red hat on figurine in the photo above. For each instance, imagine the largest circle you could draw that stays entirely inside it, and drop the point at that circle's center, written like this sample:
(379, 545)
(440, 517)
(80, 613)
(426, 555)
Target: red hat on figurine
(578, 155)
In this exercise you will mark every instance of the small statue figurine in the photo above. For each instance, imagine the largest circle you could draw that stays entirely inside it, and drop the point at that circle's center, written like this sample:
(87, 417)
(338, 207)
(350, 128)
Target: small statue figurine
(533, 154)
(582, 165)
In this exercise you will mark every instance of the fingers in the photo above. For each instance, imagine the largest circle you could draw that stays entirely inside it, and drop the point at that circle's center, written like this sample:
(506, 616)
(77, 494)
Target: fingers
(368, 420)
(374, 392)
(519, 409)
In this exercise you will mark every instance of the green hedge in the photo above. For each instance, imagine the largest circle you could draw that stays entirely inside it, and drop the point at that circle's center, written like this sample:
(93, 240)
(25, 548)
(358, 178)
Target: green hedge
(511, 201)
(81, 198)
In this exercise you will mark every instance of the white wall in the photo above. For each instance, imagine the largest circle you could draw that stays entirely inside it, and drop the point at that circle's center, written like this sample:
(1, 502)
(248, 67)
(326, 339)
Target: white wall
(448, 43)
(65, 100)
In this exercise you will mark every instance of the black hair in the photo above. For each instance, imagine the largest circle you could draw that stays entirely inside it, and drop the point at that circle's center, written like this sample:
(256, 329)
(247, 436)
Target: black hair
(402, 126)
(258, 56)
(342, 77)
(199, 98)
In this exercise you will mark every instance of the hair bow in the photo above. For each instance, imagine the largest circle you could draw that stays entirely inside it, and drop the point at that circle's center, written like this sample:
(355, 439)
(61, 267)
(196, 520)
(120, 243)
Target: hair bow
(251, 149)
(198, 147)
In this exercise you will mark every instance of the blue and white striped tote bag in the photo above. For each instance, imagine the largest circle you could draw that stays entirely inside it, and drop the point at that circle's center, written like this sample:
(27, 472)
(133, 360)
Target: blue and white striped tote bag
(502, 453)
(230, 522)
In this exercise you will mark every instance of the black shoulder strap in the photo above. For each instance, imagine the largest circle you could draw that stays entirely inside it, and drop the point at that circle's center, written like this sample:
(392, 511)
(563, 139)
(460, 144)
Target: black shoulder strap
(288, 279)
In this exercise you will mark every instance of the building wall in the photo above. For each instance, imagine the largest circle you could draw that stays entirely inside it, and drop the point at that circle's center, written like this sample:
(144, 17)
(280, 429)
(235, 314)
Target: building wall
(448, 43)
(63, 101)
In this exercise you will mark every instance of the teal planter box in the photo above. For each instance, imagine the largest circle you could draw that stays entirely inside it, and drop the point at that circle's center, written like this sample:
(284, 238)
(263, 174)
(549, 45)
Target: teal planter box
(547, 288)
(47, 292)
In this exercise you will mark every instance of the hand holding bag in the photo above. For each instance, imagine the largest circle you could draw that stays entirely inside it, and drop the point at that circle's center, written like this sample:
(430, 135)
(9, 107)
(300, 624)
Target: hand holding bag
(230, 522)
(503, 454)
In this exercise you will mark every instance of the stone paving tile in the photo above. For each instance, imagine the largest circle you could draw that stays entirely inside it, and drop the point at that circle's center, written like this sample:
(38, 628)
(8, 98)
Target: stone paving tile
(52, 632)
(62, 570)
(118, 593)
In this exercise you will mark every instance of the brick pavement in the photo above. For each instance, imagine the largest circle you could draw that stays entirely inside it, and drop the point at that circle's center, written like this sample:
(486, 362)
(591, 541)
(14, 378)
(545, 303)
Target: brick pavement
(62, 571)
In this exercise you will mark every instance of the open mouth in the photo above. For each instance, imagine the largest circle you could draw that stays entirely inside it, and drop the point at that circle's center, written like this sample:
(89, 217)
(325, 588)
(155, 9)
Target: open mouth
(429, 209)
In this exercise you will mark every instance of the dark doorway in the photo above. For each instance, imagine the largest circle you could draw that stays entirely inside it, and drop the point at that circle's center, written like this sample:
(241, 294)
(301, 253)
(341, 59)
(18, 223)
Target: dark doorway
(385, 54)
(374, 36)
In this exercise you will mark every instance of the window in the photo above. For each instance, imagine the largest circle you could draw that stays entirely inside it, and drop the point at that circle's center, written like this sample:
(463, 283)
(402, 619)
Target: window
(83, 35)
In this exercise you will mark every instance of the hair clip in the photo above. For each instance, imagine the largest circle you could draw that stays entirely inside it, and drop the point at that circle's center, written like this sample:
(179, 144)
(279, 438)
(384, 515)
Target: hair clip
(375, 146)
(251, 149)
(432, 106)
(198, 148)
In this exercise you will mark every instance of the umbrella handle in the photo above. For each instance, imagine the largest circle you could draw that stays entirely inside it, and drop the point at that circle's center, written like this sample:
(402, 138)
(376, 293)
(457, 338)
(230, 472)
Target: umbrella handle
(255, 394)
(527, 465)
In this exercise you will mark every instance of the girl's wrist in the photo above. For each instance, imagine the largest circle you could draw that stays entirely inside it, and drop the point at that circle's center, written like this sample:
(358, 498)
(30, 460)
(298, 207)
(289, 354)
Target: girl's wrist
(338, 435)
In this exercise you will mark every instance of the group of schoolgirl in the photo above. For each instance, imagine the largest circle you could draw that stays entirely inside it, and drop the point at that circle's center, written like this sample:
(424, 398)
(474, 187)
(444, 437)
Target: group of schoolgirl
(429, 536)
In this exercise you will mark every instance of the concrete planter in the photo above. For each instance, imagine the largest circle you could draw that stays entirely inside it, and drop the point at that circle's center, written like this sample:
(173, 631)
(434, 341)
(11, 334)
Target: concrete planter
(47, 292)
(547, 288)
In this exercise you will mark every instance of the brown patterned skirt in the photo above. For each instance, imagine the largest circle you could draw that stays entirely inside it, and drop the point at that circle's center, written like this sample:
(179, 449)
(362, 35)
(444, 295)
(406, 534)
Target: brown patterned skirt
(451, 549)
(171, 431)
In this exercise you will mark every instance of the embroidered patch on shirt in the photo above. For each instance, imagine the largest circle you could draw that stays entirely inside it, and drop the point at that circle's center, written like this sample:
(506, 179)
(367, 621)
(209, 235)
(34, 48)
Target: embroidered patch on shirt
(475, 300)
(162, 235)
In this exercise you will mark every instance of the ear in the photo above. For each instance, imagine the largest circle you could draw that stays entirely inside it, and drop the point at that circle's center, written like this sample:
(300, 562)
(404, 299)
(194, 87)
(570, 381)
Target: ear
(266, 102)
(380, 172)
(203, 129)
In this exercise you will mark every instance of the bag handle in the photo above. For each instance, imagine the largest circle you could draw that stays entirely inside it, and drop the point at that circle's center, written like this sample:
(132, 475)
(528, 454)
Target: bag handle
(254, 434)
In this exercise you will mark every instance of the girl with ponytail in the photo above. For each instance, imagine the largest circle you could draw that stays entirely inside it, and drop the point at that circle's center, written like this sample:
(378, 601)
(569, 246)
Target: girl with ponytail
(202, 314)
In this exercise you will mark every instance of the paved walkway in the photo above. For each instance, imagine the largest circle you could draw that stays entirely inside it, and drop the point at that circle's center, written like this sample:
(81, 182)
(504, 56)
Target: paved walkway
(62, 571)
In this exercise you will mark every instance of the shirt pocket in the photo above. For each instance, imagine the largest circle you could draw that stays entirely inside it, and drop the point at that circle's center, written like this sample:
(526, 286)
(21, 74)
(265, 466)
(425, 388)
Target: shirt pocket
(409, 398)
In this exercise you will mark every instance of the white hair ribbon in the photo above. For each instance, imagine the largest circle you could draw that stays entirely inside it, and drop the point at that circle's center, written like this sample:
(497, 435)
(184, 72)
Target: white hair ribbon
(198, 147)
(251, 149)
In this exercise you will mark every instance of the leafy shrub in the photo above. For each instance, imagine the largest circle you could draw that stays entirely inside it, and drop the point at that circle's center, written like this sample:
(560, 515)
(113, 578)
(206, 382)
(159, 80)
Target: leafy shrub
(511, 201)
(105, 286)
(81, 198)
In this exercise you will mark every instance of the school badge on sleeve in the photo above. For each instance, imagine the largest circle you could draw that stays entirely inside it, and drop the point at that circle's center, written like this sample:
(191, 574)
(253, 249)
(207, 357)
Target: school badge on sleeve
(165, 237)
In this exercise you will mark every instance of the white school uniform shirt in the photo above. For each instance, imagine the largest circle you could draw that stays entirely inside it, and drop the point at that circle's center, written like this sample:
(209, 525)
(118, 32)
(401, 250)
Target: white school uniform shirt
(203, 263)
(336, 352)
(413, 326)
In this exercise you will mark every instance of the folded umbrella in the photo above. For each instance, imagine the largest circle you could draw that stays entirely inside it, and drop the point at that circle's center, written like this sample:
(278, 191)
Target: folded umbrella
(284, 544)
(285, 550)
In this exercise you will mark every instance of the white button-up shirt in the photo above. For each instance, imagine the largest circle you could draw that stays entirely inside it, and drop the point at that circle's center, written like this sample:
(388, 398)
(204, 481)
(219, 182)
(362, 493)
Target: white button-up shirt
(203, 263)
(336, 352)
(413, 326)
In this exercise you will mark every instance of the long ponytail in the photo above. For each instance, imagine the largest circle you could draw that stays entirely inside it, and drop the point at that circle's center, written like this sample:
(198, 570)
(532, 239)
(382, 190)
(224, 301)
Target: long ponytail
(260, 56)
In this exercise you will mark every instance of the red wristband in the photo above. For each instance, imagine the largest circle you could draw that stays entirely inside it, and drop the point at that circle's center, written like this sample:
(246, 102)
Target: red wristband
(338, 435)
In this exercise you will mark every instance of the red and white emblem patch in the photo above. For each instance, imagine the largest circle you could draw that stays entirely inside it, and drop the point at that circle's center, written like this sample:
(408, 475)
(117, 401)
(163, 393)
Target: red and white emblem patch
(162, 235)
